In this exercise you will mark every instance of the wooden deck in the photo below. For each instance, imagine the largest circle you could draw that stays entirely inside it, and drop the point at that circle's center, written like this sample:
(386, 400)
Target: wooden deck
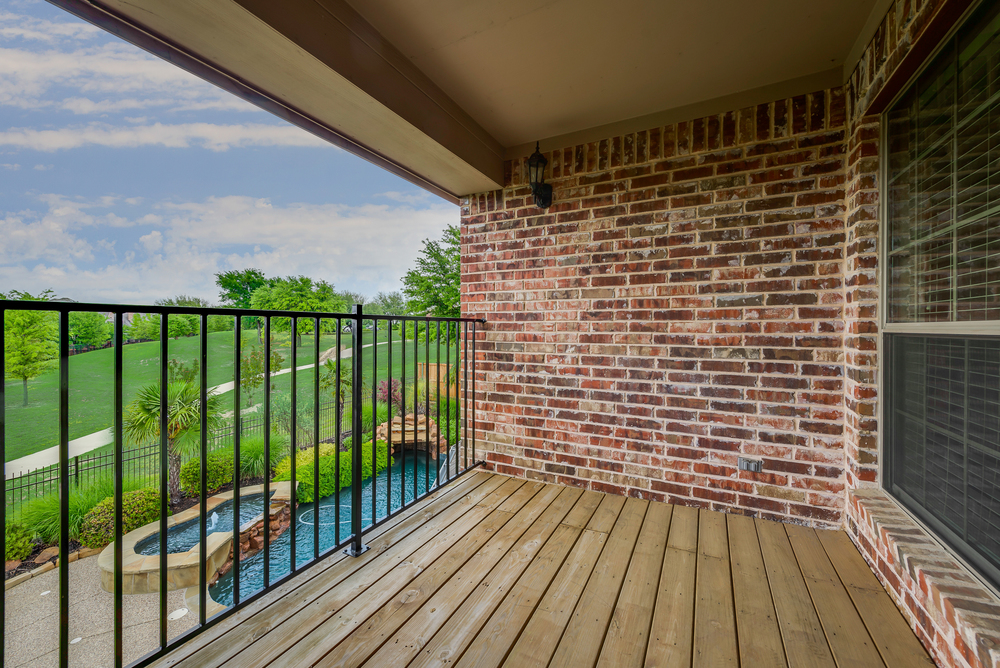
(496, 571)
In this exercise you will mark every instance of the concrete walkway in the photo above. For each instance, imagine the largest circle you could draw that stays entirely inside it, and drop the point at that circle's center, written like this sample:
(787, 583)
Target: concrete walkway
(90, 442)
(31, 632)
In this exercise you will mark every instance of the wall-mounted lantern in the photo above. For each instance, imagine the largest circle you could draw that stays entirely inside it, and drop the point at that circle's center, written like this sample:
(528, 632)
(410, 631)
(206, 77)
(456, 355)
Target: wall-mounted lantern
(536, 177)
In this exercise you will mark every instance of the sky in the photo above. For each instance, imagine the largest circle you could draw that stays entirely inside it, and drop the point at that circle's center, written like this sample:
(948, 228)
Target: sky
(124, 179)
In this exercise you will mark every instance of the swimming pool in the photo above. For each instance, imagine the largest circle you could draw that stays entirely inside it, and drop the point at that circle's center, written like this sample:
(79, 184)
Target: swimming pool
(420, 470)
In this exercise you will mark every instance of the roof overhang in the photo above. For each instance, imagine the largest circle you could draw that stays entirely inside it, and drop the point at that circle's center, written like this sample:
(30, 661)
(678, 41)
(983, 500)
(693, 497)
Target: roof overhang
(441, 92)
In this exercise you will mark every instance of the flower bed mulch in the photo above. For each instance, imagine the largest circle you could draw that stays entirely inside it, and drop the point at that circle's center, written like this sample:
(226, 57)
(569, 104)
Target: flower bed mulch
(30, 564)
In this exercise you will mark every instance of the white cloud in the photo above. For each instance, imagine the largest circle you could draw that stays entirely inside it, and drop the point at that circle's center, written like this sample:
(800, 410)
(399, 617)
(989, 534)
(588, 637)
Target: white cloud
(414, 197)
(19, 26)
(364, 248)
(107, 78)
(208, 135)
(43, 168)
(11, 167)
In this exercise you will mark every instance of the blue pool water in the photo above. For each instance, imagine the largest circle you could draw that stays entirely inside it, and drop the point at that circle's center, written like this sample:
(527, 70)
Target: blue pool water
(252, 569)
(183, 537)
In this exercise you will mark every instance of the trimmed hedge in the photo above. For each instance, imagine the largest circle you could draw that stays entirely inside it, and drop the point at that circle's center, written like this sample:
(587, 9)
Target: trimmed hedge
(220, 463)
(328, 483)
(219, 472)
(139, 508)
(17, 542)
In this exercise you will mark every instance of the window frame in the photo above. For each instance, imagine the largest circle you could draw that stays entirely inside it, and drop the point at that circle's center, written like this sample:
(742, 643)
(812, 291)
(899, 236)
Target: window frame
(976, 565)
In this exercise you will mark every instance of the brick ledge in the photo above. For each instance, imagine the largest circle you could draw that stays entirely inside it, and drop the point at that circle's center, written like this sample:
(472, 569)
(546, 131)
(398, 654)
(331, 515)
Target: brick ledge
(955, 616)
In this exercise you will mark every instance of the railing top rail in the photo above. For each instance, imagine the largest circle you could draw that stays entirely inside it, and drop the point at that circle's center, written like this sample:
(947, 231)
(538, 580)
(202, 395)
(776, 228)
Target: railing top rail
(74, 307)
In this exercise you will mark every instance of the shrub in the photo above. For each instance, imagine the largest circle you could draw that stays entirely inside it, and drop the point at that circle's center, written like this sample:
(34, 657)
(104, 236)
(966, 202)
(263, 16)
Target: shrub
(389, 393)
(372, 417)
(41, 515)
(252, 454)
(328, 483)
(17, 542)
(139, 508)
(219, 472)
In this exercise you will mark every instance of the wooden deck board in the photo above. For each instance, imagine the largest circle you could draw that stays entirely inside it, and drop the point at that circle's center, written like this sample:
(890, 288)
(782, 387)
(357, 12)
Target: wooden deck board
(757, 624)
(493, 571)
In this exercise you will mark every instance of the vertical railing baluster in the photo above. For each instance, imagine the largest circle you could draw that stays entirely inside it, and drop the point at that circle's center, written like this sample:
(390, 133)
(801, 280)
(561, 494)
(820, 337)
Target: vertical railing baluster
(3, 458)
(437, 396)
(357, 547)
(202, 530)
(374, 414)
(266, 530)
(294, 428)
(164, 475)
(237, 458)
(119, 453)
(472, 362)
(388, 454)
(447, 401)
(416, 401)
(338, 408)
(427, 407)
(465, 400)
(402, 413)
(316, 335)
(64, 488)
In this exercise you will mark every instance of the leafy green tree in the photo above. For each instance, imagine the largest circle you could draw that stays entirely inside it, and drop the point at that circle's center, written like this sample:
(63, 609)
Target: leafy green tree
(143, 327)
(433, 286)
(252, 368)
(328, 381)
(237, 287)
(89, 328)
(298, 293)
(142, 424)
(30, 340)
(388, 303)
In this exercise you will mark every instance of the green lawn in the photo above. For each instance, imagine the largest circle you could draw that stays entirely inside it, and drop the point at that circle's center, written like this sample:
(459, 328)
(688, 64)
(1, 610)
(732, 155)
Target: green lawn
(36, 426)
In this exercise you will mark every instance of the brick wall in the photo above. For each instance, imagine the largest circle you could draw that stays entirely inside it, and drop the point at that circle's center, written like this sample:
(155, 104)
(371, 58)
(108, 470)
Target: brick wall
(682, 303)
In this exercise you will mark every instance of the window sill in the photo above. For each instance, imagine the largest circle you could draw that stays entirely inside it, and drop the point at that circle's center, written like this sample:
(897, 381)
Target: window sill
(953, 613)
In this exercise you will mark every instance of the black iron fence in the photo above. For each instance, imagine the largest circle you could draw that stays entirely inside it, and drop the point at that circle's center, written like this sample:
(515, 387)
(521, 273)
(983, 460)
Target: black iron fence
(388, 375)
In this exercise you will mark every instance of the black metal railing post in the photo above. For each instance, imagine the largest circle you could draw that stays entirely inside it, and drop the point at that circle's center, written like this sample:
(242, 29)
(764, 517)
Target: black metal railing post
(237, 459)
(119, 490)
(315, 480)
(203, 491)
(64, 489)
(266, 533)
(293, 429)
(3, 458)
(357, 547)
(164, 474)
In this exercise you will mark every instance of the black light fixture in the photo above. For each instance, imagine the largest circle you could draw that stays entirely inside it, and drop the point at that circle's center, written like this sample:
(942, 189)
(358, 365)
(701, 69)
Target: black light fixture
(536, 177)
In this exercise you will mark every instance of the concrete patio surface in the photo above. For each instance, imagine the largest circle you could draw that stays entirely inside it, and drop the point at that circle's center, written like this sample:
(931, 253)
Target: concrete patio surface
(31, 635)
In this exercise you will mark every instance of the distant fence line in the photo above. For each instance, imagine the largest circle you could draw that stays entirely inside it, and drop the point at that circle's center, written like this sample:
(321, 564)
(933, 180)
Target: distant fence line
(140, 462)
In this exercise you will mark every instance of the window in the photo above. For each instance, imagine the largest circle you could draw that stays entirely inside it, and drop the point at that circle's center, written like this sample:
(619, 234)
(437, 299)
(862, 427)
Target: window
(942, 328)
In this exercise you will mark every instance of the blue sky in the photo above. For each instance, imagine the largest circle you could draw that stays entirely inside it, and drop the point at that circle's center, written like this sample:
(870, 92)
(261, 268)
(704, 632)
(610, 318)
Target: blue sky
(125, 179)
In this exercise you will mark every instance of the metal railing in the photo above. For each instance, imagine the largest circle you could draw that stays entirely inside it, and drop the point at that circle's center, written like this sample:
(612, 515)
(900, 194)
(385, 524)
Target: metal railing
(450, 339)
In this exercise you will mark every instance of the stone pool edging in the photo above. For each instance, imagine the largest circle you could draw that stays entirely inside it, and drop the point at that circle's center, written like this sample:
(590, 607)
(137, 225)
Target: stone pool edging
(141, 574)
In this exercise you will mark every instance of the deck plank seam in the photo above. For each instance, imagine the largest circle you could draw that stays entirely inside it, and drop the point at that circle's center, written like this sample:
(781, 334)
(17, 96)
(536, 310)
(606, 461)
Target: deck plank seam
(429, 566)
(322, 569)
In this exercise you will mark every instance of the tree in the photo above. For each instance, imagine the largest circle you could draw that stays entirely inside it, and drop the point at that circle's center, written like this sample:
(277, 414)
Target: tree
(141, 424)
(237, 287)
(30, 340)
(252, 368)
(328, 381)
(433, 286)
(143, 327)
(89, 328)
(297, 293)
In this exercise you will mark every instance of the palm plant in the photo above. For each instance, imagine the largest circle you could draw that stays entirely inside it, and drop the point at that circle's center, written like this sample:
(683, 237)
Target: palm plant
(141, 424)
